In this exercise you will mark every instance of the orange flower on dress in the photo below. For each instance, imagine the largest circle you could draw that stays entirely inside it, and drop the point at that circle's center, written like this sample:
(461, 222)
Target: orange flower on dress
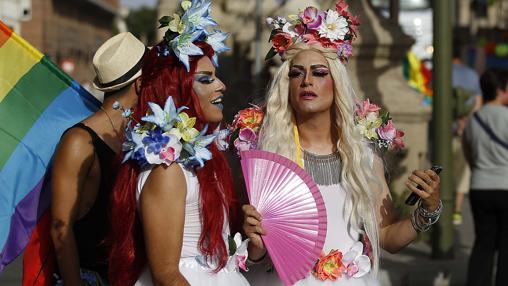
(329, 266)
(250, 117)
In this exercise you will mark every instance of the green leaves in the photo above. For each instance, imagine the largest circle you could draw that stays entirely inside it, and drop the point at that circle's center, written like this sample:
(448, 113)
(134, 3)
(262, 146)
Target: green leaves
(232, 245)
(164, 21)
(270, 54)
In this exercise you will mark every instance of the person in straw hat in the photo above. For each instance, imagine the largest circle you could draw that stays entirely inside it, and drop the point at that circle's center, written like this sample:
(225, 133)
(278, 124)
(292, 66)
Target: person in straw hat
(83, 173)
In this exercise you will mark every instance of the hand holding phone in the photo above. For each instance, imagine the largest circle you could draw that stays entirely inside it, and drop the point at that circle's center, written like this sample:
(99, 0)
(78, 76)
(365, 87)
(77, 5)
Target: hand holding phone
(413, 198)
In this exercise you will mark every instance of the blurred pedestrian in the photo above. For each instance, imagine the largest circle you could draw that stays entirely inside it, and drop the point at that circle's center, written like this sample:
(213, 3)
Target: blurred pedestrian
(485, 144)
(467, 95)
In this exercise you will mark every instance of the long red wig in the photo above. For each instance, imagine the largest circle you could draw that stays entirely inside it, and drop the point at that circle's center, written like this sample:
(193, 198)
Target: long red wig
(165, 76)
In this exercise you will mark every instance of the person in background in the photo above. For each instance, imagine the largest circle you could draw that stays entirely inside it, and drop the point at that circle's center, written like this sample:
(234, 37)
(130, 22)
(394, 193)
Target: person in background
(485, 142)
(83, 173)
(465, 83)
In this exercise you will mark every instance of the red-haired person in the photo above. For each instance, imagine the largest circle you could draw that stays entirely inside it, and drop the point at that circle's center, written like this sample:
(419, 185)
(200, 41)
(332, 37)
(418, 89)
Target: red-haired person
(173, 200)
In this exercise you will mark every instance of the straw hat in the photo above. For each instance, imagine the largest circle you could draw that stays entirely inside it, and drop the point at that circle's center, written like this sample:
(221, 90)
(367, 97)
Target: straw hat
(117, 62)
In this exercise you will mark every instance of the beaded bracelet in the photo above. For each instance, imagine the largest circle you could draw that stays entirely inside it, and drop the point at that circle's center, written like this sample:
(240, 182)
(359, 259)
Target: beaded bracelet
(430, 217)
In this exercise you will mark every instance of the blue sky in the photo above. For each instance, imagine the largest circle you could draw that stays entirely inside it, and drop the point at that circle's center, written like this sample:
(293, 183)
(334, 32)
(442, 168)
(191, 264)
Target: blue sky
(138, 3)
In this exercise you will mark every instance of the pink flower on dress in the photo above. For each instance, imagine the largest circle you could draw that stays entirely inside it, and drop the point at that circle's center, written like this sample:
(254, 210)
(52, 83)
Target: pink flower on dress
(329, 266)
(387, 132)
(241, 262)
(366, 108)
(312, 17)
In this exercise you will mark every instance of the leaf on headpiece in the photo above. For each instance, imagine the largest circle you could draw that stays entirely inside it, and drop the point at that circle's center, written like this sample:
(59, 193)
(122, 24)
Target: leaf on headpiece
(271, 54)
(273, 33)
(164, 21)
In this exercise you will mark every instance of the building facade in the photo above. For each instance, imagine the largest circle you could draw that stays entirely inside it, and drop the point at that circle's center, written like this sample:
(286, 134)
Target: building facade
(69, 32)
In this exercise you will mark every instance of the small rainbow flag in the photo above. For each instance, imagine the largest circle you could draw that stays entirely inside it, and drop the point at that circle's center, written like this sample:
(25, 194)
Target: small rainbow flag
(38, 102)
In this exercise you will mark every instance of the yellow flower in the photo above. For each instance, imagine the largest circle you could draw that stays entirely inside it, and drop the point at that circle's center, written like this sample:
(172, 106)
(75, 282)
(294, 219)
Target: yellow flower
(184, 128)
(186, 4)
(176, 25)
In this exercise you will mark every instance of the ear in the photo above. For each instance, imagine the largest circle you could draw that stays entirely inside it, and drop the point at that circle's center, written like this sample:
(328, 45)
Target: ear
(137, 86)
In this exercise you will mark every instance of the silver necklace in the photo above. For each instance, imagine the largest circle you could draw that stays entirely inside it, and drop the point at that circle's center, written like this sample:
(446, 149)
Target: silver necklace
(324, 169)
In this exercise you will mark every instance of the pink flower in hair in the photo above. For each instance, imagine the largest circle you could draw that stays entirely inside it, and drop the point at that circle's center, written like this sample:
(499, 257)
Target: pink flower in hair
(312, 17)
(281, 42)
(342, 7)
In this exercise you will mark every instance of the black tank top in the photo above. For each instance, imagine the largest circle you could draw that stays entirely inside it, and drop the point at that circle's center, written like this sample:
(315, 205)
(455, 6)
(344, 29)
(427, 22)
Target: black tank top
(90, 231)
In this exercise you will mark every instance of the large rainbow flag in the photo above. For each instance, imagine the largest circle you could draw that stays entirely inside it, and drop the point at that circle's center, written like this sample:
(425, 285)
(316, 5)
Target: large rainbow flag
(38, 102)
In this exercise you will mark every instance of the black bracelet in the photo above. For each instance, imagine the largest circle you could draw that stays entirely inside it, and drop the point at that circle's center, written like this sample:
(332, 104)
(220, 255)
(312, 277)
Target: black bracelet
(257, 260)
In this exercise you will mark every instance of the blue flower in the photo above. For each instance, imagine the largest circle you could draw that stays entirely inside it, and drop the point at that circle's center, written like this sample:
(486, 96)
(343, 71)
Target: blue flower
(127, 113)
(164, 118)
(197, 16)
(163, 51)
(116, 105)
(183, 47)
(155, 140)
(216, 41)
(200, 152)
(133, 145)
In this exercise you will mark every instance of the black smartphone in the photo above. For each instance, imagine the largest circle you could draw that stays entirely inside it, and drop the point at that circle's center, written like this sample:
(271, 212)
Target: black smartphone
(413, 198)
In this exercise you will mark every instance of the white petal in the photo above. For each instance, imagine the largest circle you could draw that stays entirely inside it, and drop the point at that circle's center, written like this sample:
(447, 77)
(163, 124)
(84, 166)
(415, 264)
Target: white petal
(364, 265)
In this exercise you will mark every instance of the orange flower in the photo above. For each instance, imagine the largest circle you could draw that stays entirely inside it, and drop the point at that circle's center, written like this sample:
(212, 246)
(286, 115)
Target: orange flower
(249, 117)
(329, 266)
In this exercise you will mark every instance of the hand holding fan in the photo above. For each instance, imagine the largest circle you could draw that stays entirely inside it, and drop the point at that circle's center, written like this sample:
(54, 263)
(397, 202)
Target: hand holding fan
(293, 212)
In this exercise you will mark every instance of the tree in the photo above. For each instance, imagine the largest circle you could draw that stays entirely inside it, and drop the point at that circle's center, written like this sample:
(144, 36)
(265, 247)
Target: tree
(142, 23)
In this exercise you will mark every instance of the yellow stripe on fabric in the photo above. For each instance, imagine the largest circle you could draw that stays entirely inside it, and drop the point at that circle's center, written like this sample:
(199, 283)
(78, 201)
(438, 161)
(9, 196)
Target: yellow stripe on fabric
(17, 57)
(299, 159)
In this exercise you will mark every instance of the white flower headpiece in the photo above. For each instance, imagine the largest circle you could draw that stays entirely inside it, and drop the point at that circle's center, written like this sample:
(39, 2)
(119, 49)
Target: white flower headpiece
(193, 24)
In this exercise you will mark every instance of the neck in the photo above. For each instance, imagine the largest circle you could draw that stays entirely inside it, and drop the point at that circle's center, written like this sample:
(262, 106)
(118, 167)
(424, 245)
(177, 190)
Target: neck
(497, 101)
(315, 133)
(113, 119)
(456, 61)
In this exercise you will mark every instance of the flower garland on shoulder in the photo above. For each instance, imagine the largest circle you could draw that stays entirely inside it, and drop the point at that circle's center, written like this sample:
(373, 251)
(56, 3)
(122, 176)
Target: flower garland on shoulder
(377, 126)
(166, 136)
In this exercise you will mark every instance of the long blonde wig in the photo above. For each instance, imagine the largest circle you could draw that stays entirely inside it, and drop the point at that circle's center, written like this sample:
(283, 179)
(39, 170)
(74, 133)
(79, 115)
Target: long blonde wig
(276, 135)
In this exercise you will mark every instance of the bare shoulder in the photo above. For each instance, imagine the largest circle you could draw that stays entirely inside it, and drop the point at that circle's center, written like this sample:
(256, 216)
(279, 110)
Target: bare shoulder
(76, 143)
(165, 180)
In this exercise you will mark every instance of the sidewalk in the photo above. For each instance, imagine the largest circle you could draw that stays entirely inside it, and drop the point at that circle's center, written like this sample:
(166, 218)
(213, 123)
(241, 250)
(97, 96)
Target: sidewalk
(413, 266)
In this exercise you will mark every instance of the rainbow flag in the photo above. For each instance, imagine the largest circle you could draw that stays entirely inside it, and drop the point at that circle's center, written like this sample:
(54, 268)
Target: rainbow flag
(38, 102)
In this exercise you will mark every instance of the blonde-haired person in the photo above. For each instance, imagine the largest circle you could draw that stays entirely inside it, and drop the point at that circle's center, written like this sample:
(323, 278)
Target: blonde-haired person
(310, 119)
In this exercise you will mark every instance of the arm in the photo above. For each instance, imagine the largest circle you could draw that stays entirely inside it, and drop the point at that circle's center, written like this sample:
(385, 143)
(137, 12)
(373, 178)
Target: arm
(395, 234)
(162, 210)
(71, 164)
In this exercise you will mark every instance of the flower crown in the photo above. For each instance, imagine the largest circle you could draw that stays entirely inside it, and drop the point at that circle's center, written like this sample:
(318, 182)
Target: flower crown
(167, 135)
(190, 25)
(331, 29)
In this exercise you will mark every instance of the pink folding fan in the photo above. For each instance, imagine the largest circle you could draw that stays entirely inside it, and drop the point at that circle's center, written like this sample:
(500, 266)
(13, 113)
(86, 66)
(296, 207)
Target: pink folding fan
(293, 212)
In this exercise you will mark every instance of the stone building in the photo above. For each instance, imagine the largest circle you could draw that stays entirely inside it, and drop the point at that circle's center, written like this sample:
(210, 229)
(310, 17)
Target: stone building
(69, 32)
(375, 69)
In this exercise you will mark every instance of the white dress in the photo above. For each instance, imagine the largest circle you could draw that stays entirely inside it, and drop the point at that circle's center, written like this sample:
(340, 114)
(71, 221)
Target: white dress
(339, 236)
(192, 265)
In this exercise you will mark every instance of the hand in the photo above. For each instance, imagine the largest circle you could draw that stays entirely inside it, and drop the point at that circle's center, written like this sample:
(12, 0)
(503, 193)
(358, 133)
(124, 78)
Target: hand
(252, 226)
(430, 183)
